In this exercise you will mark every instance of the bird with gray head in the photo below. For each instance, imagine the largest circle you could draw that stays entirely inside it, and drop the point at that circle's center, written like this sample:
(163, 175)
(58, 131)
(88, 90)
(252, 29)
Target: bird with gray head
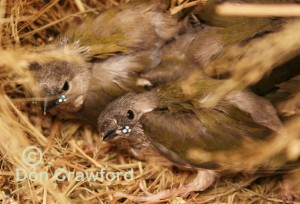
(111, 49)
(231, 39)
(169, 125)
(226, 45)
(223, 31)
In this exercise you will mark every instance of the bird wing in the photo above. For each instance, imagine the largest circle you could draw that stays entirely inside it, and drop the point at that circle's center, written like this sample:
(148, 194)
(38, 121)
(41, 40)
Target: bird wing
(127, 28)
(178, 127)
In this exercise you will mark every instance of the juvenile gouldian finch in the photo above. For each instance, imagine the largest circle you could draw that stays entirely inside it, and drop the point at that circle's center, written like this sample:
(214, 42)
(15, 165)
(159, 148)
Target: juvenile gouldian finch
(165, 124)
(111, 49)
(223, 31)
(225, 45)
(226, 42)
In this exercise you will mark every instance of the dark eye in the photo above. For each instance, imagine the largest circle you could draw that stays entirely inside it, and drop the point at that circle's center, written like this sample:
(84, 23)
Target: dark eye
(66, 86)
(130, 114)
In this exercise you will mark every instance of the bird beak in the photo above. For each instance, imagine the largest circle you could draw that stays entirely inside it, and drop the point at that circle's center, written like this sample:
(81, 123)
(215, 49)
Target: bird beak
(109, 130)
(47, 105)
(109, 135)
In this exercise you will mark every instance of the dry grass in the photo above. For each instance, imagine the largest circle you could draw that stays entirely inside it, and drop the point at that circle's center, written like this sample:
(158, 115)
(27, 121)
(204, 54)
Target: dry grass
(77, 147)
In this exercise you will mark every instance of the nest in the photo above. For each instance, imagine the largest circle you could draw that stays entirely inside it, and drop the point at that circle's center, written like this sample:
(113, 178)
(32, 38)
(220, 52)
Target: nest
(76, 147)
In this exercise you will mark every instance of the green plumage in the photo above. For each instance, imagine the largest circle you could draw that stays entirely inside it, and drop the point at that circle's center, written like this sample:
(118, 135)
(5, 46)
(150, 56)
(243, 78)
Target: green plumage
(101, 43)
(113, 31)
(180, 119)
(222, 47)
(172, 119)
(111, 49)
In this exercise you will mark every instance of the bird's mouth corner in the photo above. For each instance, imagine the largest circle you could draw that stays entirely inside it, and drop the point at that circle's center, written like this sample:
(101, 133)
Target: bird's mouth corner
(52, 102)
(48, 105)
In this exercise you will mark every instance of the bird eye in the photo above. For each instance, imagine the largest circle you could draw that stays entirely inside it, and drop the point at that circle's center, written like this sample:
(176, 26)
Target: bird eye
(130, 114)
(66, 86)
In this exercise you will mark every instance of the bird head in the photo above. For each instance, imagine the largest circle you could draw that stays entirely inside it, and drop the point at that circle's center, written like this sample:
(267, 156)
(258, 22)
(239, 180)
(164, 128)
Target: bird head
(120, 120)
(62, 84)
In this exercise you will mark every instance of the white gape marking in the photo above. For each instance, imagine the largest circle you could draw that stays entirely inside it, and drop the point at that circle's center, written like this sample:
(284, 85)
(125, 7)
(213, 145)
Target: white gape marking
(126, 129)
(62, 99)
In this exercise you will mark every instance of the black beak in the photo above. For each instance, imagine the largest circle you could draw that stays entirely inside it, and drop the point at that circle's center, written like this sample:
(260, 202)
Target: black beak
(109, 129)
(47, 105)
(109, 135)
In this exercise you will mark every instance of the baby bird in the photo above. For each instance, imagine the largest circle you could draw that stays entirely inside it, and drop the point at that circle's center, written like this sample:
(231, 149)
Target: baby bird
(227, 46)
(226, 42)
(167, 125)
(111, 49)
